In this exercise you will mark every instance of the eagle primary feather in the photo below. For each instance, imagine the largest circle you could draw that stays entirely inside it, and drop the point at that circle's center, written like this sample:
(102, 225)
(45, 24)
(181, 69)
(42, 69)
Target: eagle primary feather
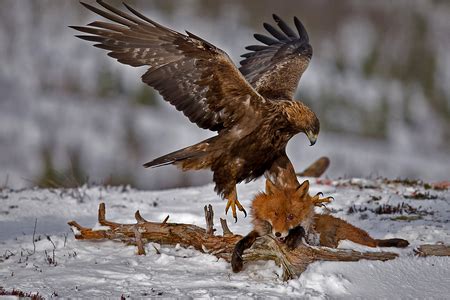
(274, 69)
(254, 115)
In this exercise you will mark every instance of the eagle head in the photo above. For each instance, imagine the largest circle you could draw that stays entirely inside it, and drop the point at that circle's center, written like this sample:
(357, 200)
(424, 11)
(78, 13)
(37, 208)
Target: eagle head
(313, 129)
(303, 119)
(305, 50)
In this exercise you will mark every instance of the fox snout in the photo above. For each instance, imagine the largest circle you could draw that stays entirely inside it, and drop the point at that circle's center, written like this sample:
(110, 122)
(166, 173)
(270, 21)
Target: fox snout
(280, 236)
(291, 237)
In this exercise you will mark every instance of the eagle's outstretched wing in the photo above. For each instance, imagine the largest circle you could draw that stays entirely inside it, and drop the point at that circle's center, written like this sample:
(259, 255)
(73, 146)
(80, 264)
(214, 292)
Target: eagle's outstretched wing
(196, 77)
(275, 68)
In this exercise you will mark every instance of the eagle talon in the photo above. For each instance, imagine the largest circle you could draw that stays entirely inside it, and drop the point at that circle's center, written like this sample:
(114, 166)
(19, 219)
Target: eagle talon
(318, 201)
(320, 194)
(227, 207)
(233, 203)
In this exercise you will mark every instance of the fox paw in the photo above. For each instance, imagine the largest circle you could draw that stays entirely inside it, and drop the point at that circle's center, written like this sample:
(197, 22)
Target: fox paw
(294, 237)
(292, 242)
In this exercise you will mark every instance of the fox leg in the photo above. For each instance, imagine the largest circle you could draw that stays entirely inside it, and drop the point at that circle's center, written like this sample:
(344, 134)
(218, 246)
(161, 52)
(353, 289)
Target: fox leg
(233, 202)
(246, 242)
(332, 230)
(360, 236)
(295, 237)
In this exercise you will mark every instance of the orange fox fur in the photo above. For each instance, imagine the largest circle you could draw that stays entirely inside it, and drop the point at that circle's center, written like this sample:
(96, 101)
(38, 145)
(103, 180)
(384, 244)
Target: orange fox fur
(288, 215)
(279, 210)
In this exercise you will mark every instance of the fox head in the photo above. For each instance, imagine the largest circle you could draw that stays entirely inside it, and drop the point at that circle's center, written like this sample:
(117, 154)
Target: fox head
(280, 209)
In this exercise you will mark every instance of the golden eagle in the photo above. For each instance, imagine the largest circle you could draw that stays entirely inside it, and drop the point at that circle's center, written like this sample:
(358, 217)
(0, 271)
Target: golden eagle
(251, 108)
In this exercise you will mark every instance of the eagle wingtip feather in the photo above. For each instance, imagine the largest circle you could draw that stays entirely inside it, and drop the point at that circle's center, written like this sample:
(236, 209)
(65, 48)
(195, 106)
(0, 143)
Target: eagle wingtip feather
(87, 5)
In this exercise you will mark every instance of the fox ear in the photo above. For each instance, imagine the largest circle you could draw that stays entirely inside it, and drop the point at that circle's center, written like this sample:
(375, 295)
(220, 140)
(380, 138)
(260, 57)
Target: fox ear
(303, 189)
(271, 188)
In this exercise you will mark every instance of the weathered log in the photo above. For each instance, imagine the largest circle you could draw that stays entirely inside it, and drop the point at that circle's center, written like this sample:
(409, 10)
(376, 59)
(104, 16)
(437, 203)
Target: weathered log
(294, 262)
(163, 233)
(433, 250)
(317, 168)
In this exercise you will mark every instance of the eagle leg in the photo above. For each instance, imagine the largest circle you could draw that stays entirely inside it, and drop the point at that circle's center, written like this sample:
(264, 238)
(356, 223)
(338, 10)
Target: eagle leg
(233, 202)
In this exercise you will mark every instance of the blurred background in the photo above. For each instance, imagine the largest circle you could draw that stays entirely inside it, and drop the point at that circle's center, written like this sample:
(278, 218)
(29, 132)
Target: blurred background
(379, 82)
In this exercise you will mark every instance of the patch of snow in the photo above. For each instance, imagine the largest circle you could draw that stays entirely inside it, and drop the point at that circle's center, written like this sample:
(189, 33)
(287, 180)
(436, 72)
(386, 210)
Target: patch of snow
(98, 227)
(111, 269)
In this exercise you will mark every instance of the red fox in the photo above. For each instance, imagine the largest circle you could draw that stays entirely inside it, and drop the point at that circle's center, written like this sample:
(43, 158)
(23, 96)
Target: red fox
(287, 214)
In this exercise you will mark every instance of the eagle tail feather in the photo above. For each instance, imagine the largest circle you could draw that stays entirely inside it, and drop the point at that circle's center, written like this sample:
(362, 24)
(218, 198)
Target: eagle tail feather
(191, 156)
(172, 158)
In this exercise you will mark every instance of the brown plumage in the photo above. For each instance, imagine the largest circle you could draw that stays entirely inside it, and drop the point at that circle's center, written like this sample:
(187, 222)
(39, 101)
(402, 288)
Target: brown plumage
(251, 109)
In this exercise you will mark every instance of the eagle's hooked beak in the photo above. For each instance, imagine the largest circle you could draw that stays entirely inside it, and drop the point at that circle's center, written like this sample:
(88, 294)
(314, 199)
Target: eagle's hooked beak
(312, 137)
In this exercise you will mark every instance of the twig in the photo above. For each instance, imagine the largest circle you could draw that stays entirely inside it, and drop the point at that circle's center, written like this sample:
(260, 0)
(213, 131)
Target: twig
(165, 220)
(65, 239)
(156, 249)
(140, 219)
(209, 217)
(226, 230)
(34, 233)
(48, 238)
(139, 243)
(6, 256)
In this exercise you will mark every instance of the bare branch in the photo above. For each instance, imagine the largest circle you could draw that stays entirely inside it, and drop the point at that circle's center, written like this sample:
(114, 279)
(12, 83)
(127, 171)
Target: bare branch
(139, 218)
(165, 220)
(34, 233)
(209, 217)
(156, 249)
(226, 230)
(139, 243)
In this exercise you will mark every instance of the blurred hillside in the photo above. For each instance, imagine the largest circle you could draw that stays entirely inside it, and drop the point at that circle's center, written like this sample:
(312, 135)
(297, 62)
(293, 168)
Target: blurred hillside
(379, 81)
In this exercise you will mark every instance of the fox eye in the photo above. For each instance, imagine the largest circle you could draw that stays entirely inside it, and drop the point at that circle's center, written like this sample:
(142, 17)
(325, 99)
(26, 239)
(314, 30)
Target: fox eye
(290, 217)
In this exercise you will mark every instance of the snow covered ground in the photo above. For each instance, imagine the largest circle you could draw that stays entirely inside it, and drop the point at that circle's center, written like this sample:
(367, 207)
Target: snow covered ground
(57, 264)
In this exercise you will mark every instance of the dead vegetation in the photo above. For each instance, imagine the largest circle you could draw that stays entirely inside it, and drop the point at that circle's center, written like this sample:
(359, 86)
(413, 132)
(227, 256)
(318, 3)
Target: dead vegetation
(388, 209)
(21, 295)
